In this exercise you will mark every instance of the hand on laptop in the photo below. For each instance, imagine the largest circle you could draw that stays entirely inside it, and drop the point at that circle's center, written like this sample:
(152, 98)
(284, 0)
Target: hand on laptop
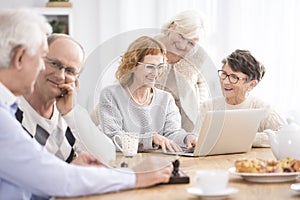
(165, 143)
(190, 141)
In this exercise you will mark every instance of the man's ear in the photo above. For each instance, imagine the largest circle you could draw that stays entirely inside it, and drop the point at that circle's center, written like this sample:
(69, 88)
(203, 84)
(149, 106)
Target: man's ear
(76, 83)
(17, 58)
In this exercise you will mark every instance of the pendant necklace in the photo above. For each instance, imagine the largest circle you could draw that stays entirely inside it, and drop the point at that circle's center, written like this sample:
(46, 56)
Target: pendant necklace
(141, 104)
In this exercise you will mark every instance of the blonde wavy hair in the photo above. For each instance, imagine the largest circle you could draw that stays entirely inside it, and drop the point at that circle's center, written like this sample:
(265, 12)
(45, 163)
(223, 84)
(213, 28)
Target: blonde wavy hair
(135, 53)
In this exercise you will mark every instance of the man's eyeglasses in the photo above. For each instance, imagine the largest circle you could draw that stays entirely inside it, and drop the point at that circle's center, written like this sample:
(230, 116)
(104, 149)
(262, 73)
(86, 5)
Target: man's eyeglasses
(151, 67)
(231, 77)
(57, 65)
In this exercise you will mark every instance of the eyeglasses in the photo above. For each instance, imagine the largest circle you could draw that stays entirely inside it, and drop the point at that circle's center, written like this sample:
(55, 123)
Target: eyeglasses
(231, 77)
(57, 65)
(190, 42)
(151, 67)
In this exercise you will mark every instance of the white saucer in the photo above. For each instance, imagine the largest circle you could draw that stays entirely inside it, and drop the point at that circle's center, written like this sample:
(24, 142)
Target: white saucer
(218, 195)
(296, 187)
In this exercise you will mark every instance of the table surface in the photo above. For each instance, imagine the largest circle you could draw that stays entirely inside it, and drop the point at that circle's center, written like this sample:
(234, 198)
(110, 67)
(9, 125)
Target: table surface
(189, 165)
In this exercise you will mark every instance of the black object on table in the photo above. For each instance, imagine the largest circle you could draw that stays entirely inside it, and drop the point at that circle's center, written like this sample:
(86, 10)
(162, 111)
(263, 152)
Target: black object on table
(178, 177)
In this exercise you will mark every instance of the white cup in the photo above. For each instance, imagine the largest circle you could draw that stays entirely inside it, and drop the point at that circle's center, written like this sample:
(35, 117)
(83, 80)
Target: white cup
(212, 181)
(129, 142)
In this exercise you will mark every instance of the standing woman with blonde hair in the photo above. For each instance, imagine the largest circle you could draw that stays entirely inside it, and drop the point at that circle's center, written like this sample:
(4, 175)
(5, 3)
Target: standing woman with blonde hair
(135, 105)
(190, 77)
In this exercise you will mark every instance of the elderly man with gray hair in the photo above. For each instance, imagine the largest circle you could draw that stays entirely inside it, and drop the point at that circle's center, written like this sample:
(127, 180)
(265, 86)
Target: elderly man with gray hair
(47, 114)
(23, 47)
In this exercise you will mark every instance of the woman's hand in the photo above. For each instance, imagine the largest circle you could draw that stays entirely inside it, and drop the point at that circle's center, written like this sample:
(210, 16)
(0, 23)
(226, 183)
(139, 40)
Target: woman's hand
(190, 141)
(165, 143)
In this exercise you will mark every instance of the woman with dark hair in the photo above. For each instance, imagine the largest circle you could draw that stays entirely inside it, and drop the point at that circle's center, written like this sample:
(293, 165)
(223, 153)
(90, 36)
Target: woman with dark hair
(240, 73)
(135, 105)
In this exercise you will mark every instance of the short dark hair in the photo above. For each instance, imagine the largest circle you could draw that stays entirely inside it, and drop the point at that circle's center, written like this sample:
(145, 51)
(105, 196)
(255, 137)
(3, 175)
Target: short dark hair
(243, 61)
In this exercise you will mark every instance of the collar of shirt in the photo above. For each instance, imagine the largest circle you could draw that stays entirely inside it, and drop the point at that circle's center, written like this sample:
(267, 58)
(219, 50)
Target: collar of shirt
(7, 97)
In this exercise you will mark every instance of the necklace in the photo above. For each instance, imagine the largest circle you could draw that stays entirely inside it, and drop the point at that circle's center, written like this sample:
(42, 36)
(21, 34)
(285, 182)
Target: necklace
(136, 101)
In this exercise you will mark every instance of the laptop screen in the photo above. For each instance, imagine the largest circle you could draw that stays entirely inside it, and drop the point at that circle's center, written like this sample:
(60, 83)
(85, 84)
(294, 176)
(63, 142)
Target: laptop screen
(228, 131)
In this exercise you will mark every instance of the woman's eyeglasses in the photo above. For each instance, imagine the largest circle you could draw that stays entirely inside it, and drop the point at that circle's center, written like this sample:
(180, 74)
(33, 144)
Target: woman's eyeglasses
(231, 77)
(151, 67)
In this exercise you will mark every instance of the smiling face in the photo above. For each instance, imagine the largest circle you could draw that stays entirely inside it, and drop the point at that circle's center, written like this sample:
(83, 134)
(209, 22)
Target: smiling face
(143, 77)
(235, 93)
(177, 44)
(68, 54)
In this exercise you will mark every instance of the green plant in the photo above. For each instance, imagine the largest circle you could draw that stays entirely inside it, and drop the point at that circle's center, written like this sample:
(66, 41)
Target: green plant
(59, 26)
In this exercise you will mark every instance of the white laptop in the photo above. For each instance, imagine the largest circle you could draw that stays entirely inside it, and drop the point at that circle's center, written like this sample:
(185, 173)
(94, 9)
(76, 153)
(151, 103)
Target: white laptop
(226, 132)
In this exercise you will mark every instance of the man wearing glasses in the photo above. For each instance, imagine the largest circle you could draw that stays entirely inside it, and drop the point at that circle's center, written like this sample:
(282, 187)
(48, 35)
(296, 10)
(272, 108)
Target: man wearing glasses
(240, 73)
(47, 113)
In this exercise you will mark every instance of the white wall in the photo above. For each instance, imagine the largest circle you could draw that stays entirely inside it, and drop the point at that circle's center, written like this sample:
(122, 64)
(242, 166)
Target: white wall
(270, 30)
(23, 3)
(85, 19)
(86, 23)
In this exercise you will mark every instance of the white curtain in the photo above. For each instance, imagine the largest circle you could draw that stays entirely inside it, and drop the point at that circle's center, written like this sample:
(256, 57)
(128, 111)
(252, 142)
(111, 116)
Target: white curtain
(270, 29)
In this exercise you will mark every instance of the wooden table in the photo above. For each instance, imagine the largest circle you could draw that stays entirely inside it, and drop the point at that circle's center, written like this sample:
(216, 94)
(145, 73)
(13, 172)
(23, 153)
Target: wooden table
(247, 190)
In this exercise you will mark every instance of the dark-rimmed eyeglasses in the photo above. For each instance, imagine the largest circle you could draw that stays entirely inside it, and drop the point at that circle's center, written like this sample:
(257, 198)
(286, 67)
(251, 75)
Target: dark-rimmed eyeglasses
(70, 71)
(231, 77)
(151, 67)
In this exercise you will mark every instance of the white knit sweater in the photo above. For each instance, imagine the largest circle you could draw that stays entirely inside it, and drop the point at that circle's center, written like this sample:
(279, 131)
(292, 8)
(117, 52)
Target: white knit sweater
(272, 120)
(191, 81)
(117, 113)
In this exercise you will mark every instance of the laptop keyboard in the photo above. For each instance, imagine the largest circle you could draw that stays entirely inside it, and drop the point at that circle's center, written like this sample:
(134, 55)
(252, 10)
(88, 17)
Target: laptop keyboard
(189, 150)
(184, 150)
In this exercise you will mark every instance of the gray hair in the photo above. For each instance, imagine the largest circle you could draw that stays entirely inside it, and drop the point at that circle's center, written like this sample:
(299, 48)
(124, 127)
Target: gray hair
(51, 38)
(189, 23)
(21, 27)
(243, 61)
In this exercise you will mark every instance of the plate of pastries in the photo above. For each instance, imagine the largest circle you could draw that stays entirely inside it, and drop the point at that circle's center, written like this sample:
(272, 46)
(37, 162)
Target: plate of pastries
(267, 171)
